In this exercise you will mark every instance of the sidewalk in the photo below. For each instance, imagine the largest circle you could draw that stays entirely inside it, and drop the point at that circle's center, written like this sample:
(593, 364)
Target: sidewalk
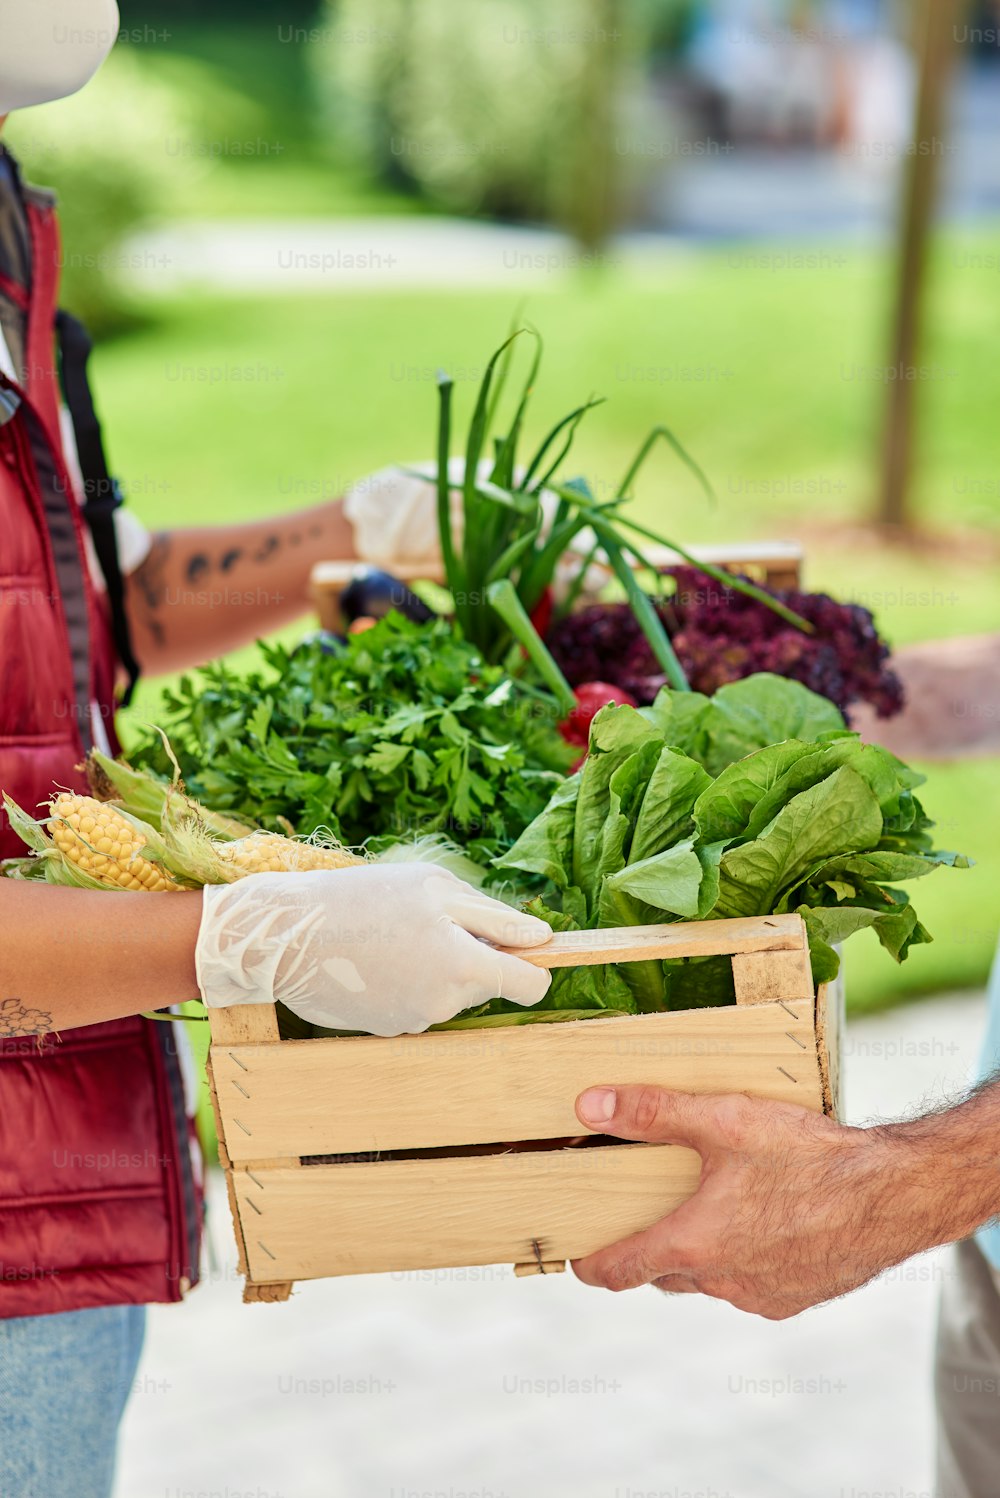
(476, 1385)
(278, 256)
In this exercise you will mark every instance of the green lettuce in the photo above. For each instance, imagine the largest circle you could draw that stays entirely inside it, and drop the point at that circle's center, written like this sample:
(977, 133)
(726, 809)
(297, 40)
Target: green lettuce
(753, 802)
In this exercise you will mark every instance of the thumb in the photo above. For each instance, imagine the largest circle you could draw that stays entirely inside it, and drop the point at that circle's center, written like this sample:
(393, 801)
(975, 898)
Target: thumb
(648, 1113)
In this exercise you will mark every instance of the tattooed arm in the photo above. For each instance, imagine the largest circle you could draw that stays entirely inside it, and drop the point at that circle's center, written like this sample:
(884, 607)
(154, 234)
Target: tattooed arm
(73, 957)
(204, 591)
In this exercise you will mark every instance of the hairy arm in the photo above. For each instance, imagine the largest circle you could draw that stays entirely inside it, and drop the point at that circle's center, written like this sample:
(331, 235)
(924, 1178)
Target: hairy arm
(793, 1209)
(72, 957)
(204, 591)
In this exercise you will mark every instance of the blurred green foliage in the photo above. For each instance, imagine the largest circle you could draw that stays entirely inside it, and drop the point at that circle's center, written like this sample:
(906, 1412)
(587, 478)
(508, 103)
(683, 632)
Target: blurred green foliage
(493, 117)
(112, 153)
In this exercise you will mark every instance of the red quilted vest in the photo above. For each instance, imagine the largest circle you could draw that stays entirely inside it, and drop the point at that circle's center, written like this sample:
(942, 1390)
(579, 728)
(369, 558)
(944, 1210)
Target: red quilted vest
(98, 1201)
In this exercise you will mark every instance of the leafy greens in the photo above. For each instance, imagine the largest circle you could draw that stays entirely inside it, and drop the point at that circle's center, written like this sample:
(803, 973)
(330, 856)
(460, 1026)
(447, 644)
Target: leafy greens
(754, 801)
(401, 730)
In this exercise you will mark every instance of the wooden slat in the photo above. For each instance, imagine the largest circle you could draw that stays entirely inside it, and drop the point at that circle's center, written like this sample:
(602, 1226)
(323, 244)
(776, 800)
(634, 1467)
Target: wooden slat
(253, 1025)
(768, 933)
(314, 1097)
(764, 977)
(779, 558)
(830, 1020)
(429, 1214)
(335, 576)
(243, 1024)
(776, 563)
(772, 558)
(266, 1293)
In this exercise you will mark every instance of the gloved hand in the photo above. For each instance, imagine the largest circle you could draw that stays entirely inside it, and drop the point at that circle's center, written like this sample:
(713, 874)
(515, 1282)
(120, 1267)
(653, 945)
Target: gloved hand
(385, 948)
(394, 517)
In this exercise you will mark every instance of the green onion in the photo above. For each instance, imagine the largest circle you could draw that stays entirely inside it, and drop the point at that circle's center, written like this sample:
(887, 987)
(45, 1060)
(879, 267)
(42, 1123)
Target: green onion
(503, 596)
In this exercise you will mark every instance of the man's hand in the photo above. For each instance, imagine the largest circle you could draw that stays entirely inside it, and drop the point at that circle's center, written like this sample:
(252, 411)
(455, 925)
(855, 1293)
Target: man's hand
(792, 1209)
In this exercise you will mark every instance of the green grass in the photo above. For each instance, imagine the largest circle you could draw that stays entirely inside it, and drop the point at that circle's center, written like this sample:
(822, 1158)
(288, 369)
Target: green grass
(339, 386)
(289, 169)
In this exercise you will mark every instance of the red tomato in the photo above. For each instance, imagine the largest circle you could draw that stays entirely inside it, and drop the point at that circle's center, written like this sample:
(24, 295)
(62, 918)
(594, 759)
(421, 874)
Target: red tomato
(591, 696)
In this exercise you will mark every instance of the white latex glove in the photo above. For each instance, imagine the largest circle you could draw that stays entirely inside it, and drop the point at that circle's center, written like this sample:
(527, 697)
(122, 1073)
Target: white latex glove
(393, 514)
(385, 948)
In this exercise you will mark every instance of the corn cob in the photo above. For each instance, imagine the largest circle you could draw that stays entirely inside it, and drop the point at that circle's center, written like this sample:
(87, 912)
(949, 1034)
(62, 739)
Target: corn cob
(155, 839)
(94, 837)
(270, 853)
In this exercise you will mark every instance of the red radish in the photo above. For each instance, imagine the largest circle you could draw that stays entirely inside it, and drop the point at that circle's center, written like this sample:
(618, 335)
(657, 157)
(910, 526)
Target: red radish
(591, 696)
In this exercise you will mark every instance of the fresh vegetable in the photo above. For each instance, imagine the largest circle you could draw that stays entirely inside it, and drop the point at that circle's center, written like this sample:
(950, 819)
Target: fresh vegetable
(500, 531)
(101, 842)
(720, 635)
(403, 729)
(324, 638)
(271, 853)
(757, 800)
(100, 845)
(372, 594)
(590, 698)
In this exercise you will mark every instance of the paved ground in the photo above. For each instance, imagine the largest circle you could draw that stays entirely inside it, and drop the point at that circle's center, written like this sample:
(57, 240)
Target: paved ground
(463, 1387)
(306, 256)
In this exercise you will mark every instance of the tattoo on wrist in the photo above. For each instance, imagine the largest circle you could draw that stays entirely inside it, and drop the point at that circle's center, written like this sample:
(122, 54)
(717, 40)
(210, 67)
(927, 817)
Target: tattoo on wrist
(17, 1019)
(197, 567)
(150, 582)
(200, 564)
(267, 548)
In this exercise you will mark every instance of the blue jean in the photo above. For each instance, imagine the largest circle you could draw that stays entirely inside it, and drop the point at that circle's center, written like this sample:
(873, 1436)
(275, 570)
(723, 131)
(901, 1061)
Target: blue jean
(64, 1383)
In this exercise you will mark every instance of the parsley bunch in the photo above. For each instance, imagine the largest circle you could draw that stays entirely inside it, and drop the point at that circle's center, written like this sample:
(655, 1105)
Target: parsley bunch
(402, 730)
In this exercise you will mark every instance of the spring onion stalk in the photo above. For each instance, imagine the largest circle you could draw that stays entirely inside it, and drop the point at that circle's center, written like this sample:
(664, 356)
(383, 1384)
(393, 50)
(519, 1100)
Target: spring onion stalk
(503, 597)
(664, 433)
(451, 564)
(647, 618)
(727, 579)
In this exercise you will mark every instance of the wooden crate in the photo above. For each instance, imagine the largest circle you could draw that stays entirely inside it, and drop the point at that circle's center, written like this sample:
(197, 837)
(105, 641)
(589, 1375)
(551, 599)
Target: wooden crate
(398, 1122)
(777, 564)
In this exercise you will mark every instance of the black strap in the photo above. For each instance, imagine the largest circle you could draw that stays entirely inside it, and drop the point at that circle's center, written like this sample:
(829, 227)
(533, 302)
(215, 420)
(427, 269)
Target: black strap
(102, 496)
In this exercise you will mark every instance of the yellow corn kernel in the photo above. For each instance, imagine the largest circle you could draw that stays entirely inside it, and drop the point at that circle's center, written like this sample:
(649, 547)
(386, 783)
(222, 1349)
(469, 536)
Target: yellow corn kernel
(270, 853)
(96, 839)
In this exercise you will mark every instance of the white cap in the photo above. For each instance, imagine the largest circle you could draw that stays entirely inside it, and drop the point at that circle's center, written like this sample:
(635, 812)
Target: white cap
(51, 48)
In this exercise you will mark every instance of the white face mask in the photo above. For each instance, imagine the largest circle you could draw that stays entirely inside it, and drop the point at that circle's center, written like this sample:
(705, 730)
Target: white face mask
(51, 48)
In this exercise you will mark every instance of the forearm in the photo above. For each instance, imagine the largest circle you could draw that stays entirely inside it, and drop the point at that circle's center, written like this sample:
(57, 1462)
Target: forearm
(204, 591)
(74, 957)
(942, 1171)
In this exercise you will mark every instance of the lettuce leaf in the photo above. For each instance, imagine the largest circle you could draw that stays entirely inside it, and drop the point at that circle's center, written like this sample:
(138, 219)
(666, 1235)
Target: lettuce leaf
(755, 801)
(762, 710)
(672, 795)
(838, 815)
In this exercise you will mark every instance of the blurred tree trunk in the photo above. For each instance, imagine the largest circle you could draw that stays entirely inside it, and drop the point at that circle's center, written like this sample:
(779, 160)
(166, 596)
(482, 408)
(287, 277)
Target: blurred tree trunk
(935, 34)
(591, 205)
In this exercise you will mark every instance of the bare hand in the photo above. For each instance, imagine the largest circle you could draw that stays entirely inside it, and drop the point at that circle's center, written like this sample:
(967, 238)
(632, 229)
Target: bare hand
(792, 1209)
